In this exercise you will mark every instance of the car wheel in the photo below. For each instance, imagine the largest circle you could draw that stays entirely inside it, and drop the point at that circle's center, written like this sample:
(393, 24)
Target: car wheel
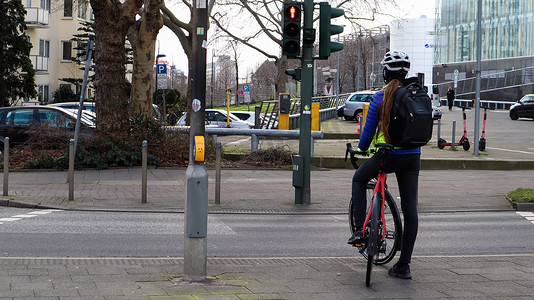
(513, 115)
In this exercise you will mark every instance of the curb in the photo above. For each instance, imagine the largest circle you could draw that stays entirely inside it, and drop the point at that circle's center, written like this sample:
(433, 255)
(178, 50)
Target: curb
(520, 206)
(17, 204)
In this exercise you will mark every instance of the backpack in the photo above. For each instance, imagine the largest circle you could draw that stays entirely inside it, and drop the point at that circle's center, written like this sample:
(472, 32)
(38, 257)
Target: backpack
(411, 116)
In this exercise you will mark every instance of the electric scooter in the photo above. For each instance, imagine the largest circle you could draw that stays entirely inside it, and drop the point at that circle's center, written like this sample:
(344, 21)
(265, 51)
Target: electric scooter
(463, 141)
(482, 141)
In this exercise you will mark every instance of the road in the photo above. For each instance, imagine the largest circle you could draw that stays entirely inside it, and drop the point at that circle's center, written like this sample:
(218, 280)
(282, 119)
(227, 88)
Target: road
(56, 233)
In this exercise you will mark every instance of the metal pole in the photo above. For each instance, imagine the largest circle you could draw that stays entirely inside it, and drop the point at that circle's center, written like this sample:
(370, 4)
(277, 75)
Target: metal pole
(196, 204)
(303, 193)
(478, 70)
(212, 74)
(218, 173)
(453, 143)
(71, 169)
(144, 172)
(82, 94)
(337, 77)
(164, 107)
(6, 166)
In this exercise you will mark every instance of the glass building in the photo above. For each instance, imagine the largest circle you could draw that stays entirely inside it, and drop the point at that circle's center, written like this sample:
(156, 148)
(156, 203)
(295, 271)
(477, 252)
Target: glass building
(507, 47)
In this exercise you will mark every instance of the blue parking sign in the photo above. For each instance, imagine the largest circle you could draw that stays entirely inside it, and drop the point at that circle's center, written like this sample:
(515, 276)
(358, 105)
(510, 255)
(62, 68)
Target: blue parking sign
(161, 68)
(245, 88)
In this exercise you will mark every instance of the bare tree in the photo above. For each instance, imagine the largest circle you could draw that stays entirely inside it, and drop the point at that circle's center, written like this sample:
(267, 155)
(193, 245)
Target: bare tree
(113, 18)
(258, 24)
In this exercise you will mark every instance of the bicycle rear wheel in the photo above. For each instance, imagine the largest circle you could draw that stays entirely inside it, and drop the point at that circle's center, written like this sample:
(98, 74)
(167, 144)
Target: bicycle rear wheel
(393, 228)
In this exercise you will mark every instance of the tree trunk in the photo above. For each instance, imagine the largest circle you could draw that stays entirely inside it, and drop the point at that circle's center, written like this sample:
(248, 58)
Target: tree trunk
(281, 77)
(142, 36)
(112, 20)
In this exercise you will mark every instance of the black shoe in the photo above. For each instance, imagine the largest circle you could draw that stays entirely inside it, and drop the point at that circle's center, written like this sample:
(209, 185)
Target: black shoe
(357, 238)
(401, 271)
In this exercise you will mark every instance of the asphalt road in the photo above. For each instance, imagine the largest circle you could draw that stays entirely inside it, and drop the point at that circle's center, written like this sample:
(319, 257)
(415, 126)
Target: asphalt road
(54, 233)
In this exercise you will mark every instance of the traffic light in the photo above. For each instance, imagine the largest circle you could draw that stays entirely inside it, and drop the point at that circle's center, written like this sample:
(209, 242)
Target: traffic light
(326, 13)
(291, 31)
(295, 73)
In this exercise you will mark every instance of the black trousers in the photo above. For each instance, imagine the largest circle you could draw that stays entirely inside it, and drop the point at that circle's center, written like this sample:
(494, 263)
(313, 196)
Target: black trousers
(406, 169)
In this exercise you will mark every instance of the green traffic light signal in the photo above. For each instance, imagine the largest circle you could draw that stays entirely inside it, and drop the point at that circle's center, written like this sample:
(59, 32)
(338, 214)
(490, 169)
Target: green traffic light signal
(326, 29)
(291, 31)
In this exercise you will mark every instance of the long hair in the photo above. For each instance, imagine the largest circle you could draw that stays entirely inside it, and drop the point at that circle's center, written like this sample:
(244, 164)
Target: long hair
(387, 104)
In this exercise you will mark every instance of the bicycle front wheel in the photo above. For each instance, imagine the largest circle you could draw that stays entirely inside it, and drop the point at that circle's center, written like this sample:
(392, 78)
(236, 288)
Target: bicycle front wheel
(373, 239)
(392, 240)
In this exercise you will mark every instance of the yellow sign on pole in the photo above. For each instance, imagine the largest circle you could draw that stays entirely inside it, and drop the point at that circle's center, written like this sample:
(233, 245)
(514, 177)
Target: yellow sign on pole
(315, 124)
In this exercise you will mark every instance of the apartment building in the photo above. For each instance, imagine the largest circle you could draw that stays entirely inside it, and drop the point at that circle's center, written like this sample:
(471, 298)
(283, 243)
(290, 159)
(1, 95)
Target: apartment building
(51, 26)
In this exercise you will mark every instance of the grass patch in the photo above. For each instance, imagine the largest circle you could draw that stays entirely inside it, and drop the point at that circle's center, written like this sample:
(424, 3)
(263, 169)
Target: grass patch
(522, 195)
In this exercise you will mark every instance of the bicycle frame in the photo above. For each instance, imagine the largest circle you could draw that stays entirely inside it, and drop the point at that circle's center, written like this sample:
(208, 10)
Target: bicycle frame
(380, 187)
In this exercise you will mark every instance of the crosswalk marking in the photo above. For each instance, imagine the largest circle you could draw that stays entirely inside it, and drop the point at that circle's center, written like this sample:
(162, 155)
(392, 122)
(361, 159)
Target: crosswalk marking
(27, 215)
(527, 215)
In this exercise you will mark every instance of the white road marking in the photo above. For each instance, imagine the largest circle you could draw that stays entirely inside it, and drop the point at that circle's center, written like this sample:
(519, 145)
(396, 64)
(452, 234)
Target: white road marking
(509, 150)
(527, 215)
(28, 215)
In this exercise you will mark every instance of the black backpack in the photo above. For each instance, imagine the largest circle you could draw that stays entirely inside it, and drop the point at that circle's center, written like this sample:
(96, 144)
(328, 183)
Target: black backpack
(411, 116)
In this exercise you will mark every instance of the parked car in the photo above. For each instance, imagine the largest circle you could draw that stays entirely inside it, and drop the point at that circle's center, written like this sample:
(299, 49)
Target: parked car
(218, 117)
(354, 105)
(21, 122)
(91, 106)
(524, 108)
(436, 112)
(248, 116)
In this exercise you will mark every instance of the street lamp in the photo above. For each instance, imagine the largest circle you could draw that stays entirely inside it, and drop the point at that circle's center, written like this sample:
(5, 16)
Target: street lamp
(157, 87)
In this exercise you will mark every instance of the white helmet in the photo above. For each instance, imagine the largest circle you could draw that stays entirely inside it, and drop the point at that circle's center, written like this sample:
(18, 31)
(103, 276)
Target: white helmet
(396, 61)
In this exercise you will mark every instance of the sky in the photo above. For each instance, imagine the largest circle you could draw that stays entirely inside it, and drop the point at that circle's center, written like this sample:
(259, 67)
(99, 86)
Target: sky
(169, 45)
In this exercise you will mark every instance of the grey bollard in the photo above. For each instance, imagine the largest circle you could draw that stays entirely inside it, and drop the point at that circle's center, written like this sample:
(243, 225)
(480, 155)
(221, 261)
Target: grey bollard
(218, 173)
(6, 165)
(144, 171)
(453, 146)
(439, 129)
(253, 143)
(71, 169)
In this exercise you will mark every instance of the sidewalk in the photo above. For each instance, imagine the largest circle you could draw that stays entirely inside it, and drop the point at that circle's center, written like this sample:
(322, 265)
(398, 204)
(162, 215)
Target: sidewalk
(267, 192)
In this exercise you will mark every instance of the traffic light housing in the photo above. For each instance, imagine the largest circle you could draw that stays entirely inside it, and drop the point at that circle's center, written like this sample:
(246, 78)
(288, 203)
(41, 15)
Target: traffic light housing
(292, 16)
(294, 73)
(326, 29)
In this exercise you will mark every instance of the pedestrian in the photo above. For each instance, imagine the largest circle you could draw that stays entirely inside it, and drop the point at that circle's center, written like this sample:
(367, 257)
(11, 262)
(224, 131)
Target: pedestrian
(450, 97)
(404, 162)
(172, 118)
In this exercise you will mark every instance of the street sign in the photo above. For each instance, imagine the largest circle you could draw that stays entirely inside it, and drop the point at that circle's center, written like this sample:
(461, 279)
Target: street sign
(240, 92)
(246, 88)
(246, 92)
(162, 81)
(161, 69)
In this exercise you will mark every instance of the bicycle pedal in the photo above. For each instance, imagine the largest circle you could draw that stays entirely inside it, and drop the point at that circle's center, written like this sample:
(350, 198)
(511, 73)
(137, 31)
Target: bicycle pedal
(382, 248)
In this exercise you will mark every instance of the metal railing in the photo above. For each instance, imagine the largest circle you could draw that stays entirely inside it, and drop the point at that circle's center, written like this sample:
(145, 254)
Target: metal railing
(36, 17)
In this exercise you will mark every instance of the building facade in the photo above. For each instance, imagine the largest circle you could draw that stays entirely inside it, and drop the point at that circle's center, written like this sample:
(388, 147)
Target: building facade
(507, 48)
(416, 38)
(51, 26)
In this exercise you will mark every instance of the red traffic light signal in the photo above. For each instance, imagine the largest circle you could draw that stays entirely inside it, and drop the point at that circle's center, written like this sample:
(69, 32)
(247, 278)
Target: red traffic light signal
(293, 12)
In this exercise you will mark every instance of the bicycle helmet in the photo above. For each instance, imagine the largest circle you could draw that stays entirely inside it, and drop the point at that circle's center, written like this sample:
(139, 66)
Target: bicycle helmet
(396, 65)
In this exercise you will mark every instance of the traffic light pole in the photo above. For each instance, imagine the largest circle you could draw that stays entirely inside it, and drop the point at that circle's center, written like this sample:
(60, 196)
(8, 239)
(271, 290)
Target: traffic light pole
(302, 193)
(196, 204)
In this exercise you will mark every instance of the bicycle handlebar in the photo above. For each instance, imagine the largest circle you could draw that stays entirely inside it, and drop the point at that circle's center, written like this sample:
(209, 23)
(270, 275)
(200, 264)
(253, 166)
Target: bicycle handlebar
(381, 147)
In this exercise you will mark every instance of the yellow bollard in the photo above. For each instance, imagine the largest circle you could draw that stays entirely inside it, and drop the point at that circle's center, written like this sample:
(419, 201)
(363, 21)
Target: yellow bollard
(284, 109)
(364, 114)
(315, 116)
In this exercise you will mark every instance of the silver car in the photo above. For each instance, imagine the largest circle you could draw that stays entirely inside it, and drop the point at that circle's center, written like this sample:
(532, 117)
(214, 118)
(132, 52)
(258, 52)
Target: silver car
(354, 105)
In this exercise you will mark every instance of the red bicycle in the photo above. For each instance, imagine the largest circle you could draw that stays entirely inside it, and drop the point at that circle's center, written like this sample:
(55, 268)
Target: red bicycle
(382, 230)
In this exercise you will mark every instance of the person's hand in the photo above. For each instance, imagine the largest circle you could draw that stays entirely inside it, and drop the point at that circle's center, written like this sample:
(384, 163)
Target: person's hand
(364, 152)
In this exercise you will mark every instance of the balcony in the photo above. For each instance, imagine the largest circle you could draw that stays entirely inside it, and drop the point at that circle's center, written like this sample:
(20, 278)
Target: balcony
(40, 63)
(36, 17)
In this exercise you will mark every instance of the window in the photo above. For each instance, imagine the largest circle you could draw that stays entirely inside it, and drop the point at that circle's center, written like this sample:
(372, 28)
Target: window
(53, 118)
(45, 4)
(28, 3)
(44, 48)
(20, 117)
(43, 93)
(67, 8)
(66, 50)
(82, 9)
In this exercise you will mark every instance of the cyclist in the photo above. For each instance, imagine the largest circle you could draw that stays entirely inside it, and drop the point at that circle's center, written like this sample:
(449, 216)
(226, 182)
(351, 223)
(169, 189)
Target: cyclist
(405, 163)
